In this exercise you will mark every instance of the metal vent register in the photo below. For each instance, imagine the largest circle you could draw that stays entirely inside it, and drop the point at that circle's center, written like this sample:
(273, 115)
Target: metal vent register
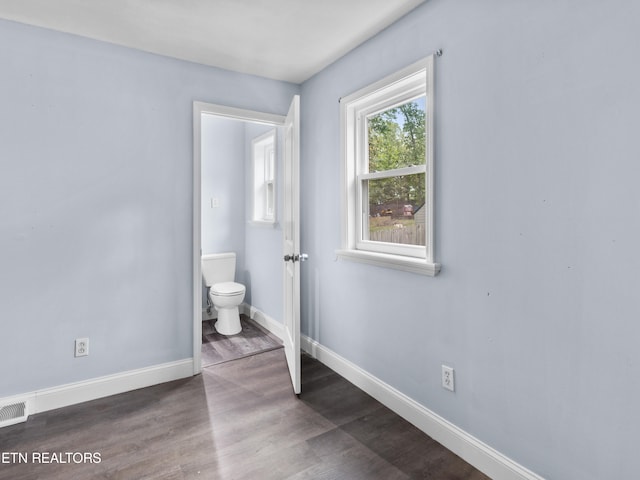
(14, 413)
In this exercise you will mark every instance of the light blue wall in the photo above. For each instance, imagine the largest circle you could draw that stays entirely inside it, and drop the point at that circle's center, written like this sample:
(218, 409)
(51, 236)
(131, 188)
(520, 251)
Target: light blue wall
(227, 175)
(537, 230)
(223, 178)
(263, 244)
(96, 202)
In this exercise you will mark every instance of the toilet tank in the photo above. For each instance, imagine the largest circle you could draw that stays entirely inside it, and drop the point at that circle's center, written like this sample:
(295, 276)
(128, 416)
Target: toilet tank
(218, 268)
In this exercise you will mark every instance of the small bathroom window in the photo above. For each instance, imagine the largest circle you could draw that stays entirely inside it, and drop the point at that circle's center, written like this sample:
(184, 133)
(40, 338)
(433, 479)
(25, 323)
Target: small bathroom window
(263, 154)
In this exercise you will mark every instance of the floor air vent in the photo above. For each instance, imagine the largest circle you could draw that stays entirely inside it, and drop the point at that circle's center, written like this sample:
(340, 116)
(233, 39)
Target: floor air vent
(13, 413)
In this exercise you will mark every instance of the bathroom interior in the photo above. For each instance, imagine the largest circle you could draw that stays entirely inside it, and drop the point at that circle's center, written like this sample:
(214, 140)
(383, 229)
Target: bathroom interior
(235, 230)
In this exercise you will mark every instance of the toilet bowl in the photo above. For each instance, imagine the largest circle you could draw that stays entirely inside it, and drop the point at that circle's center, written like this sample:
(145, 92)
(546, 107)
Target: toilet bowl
(218, 271)
(226, 297)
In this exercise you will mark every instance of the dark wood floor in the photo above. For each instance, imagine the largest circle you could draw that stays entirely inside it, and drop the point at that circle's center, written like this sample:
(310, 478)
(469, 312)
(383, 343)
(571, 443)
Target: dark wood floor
(238, 420)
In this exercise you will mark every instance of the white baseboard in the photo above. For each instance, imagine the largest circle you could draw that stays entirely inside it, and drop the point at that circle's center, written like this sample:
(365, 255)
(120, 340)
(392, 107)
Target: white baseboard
(73, 393)
(264, 320)
(480, 455)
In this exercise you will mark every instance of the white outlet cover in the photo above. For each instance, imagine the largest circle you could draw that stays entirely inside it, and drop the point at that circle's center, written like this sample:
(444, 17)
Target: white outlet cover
(448, 381)
(82, 347)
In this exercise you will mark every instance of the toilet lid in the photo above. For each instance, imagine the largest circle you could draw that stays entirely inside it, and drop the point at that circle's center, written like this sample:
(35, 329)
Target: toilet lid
(227, 288)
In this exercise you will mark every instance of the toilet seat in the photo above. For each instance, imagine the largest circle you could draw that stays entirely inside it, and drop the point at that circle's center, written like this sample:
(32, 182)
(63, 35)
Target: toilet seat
(227, 289)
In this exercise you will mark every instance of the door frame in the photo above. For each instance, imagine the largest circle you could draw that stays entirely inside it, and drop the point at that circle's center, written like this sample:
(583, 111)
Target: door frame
(200, 108)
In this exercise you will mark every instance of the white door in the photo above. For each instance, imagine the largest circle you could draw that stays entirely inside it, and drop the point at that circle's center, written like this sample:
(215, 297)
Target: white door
(291, 242)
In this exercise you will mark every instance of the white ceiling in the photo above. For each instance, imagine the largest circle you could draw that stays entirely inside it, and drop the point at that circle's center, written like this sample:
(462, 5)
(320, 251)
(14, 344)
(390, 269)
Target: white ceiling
(287, 40)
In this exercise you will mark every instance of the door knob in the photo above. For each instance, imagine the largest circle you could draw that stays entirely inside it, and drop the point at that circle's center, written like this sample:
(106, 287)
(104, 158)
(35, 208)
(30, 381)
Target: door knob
(303, 257)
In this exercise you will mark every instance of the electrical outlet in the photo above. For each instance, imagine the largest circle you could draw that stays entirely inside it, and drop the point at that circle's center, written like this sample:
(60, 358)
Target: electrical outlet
(447, 378)
(82, 347)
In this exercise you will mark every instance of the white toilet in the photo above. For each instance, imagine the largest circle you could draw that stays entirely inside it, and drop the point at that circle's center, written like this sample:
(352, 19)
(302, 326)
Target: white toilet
(219, 270)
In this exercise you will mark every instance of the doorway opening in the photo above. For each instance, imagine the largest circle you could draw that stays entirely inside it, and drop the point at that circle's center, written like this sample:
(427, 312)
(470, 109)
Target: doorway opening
(224, 220)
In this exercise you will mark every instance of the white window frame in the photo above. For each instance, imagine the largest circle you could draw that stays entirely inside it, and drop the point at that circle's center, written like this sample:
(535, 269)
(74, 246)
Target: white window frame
(401, 87)
(264, 162)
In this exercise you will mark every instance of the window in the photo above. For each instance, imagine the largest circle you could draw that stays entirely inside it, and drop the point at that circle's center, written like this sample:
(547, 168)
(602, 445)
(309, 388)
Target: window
(387, 155)
(263, 153)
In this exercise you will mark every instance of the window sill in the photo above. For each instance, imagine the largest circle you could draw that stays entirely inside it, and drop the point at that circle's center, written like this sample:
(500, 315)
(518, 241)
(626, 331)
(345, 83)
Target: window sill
(408, 264)
(263, 223)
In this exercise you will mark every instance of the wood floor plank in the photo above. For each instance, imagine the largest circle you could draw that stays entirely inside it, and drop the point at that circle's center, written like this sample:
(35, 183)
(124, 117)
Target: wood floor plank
(238, 420)
(217, 348)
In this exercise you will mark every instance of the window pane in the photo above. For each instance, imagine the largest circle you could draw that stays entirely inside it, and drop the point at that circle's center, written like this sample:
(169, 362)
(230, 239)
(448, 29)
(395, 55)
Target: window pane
(396, 137)
(270, 200)
(396, 209)
(270, 168)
